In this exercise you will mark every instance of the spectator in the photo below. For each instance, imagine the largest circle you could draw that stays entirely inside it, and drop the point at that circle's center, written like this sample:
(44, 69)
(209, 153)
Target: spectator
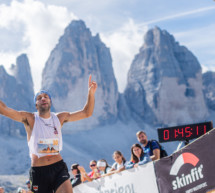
(150, 147)
(20, 190)
(1, 190)
(120, 162)
(76, 180)
(103, 167)
(28, 185)
(138, 157)
(90, 176)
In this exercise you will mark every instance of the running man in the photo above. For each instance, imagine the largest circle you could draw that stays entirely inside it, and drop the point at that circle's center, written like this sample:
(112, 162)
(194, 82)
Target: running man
(48, 172)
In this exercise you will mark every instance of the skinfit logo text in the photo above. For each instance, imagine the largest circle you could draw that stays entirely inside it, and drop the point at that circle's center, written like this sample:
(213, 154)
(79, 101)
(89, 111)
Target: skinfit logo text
(194, 175)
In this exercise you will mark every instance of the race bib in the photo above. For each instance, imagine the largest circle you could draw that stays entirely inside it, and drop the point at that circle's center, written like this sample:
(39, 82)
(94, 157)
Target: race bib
(48, 146)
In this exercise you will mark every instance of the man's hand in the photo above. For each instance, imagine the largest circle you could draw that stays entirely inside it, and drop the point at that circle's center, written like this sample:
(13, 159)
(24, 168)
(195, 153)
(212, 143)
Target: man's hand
(92, 85)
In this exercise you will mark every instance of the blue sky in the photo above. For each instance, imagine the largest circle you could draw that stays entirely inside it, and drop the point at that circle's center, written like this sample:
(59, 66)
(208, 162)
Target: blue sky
(34, 27)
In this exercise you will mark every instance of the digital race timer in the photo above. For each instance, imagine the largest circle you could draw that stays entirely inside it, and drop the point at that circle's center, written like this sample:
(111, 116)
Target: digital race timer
(183, 132)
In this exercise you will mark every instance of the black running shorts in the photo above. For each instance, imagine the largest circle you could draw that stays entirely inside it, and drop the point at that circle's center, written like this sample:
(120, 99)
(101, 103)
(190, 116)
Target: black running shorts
(47, 179)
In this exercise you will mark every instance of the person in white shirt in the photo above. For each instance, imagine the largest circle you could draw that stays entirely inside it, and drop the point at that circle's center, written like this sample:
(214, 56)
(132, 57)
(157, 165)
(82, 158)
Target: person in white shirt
(120, 161)
(119, 164)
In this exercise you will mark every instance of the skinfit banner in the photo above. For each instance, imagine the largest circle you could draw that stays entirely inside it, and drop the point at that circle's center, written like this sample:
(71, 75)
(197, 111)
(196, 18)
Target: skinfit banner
(190, 170)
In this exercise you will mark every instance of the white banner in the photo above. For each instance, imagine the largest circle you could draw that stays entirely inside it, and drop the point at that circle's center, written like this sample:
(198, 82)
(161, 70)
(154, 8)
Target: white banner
(135, 180)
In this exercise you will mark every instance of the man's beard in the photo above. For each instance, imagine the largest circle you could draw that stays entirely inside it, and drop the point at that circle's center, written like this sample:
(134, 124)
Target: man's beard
(143, 142)
(43, 110)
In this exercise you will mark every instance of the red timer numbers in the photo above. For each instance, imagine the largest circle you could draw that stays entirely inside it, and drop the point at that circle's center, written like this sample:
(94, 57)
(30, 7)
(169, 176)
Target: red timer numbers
(183, 132)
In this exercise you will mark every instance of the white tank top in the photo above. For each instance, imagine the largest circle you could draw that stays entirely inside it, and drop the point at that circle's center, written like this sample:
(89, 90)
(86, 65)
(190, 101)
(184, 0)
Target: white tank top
(46, 137)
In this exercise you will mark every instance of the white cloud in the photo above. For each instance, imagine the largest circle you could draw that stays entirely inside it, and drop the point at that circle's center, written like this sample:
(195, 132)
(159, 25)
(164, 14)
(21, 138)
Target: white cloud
(124, 44)
(43, 25)
(7, 58)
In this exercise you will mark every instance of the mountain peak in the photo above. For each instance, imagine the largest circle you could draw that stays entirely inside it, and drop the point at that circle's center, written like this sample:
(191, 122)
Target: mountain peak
(76, 24)
(157, 37)
(75, 28)
(77, 55)
(162, 69)
(22, 70)
(17, 92)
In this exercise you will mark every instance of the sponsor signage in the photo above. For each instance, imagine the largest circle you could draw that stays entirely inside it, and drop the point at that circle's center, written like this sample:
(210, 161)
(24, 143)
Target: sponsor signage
(135, 180)
(183, 132)
(190, 170)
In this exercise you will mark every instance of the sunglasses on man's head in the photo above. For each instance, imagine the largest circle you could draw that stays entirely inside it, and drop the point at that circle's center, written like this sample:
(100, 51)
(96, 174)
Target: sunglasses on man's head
(92, 165)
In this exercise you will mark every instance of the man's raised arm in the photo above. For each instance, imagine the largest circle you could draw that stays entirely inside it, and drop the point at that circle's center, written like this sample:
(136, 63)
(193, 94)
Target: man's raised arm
(11, 113)
(87, 111)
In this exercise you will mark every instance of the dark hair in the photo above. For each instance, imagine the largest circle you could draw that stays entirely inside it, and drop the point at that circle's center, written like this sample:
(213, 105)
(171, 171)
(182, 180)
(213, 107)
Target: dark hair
(134, 158)
(120, 154)
(75, 167)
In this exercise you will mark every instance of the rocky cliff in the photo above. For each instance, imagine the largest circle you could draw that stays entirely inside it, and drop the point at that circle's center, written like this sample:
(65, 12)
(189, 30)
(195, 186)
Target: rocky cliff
(16, 92)
(165, 82)
(209, 89)
(77, 55)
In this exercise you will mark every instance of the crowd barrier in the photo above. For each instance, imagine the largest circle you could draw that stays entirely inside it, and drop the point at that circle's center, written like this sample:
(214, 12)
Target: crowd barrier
(129, 181)
(189, 170)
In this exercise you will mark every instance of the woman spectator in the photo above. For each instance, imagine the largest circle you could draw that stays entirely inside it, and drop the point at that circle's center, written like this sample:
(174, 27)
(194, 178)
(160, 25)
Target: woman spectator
(119, 164)
(90, 176)
(98, 170)
(138, 157)
(103, 169)
(120, 161)
(93, 167)
(76, 180)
